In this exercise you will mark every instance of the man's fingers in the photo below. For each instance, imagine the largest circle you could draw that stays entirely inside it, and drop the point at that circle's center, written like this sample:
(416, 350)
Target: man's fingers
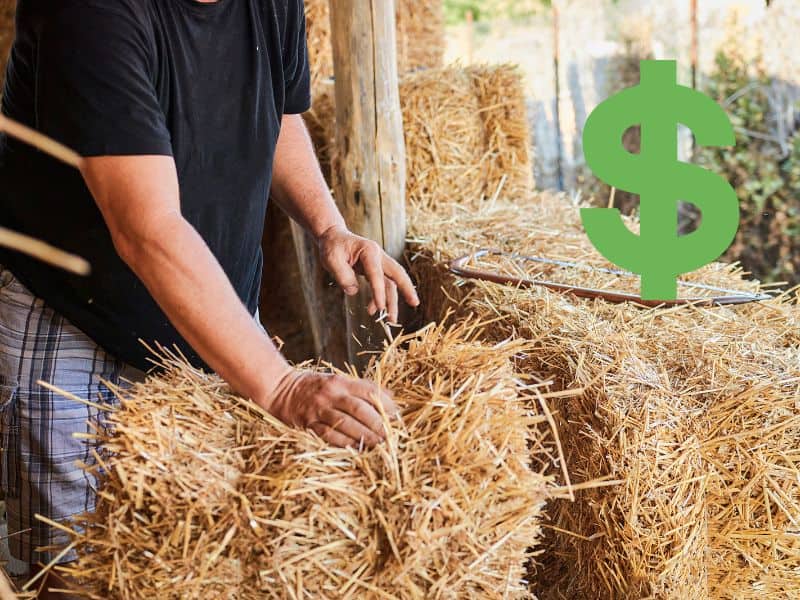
(373, 271)
(391, 300)
(399, 276)
(343, 273)
(370, 392)
(389, 407)
(333, 436)
(363, 411)
(350, 427)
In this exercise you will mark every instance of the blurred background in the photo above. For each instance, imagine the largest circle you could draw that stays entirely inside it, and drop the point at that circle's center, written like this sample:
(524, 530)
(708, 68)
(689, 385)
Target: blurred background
(576, 53)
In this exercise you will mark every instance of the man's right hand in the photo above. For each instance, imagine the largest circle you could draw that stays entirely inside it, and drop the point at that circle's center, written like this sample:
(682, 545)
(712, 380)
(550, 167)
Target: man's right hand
(140, 201)
(341, 410)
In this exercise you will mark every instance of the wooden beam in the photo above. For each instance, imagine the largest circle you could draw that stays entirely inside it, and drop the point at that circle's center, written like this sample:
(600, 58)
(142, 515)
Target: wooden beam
(324, 301)
(369, 170)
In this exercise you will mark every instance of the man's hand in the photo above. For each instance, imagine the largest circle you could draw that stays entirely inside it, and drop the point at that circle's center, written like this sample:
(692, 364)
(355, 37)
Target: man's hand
(346, 255)
(341, 410)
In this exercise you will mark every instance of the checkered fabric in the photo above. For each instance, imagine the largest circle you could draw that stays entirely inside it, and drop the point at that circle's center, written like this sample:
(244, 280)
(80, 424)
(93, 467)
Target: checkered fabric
(39, 453)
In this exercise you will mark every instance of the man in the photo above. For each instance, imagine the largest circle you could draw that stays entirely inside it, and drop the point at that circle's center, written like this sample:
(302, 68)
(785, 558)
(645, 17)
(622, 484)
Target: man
(187, 112)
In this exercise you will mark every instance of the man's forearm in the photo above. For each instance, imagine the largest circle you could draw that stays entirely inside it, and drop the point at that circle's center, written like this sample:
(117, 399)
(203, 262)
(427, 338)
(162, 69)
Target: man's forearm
(297, 183)
(300, 189)
(191, 288)
(139, 199)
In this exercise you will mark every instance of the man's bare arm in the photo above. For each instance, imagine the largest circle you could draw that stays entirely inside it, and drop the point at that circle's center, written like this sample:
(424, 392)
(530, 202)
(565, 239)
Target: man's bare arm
(139, 199)
(300, 189)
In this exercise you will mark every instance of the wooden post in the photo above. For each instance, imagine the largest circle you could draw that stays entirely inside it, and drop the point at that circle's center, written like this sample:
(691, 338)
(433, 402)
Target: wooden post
(324, 301)
(370, 178)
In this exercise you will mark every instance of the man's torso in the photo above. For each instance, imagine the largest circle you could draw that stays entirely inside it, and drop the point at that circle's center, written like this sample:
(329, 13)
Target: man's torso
(206, 83)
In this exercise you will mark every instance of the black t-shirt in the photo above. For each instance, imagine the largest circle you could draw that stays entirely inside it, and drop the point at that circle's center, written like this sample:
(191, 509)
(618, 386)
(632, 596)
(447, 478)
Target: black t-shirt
(206, 83)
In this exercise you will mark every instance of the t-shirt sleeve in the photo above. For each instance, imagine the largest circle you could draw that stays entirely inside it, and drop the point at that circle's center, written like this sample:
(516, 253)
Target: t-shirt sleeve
(297, 75)
(95, 89)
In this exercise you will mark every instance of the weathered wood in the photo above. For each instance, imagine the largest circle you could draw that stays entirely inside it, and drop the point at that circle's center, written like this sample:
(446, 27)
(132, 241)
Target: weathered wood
(369, 178)
(283, 307)
(319, 300)
(324, 301)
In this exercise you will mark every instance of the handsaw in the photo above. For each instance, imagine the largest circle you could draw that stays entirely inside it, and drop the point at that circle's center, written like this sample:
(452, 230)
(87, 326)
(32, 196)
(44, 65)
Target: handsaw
(722, 296)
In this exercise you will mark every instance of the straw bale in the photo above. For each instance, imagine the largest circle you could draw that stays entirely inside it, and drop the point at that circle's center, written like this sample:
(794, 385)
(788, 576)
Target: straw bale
(445, 138)
(501, 97)
(203, 496)
(421, 36)
(691, 417)
(318, 32)
(466, 133)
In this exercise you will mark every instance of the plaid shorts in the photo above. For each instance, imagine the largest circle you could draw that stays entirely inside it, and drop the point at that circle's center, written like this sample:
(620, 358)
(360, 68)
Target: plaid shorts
(39, 453)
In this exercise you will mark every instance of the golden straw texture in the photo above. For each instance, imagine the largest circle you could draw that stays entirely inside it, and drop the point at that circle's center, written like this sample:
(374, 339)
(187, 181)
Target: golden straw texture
(445, 139)
(204, 497)
(691, 416)
(421, 36)
(501, 97)
(466, 132)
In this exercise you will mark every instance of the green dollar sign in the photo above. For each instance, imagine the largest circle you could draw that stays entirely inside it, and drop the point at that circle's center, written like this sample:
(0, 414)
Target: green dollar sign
(659, 254)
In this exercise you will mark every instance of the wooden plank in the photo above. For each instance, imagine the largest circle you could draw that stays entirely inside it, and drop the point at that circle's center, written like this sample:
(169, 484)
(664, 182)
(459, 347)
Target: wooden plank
(324, 301)
(369, 178)
(284, 312)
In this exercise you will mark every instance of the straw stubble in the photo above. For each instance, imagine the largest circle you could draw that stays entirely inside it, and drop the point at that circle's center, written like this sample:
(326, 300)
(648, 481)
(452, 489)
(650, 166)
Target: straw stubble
(205, 496)
(692, 415)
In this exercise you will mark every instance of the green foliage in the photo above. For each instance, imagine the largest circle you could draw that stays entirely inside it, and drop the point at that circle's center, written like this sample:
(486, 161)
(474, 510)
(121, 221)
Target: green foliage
(763, 168)
(485, 10)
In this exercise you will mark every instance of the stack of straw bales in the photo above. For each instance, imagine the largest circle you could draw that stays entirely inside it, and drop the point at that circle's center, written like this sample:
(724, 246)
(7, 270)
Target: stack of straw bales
(688, 420)
(318, 34)
(420, 36)
(466, 131)
(205, 497)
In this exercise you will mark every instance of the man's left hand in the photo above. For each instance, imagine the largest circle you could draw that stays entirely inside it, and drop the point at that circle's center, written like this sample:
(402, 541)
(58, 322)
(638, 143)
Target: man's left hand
(346, 255)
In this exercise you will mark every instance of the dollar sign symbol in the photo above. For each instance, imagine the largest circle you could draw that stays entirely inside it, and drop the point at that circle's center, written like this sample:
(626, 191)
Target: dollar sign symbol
(659, 254)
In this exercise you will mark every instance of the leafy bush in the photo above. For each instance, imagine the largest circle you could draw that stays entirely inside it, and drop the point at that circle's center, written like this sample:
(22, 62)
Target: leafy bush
(763, 167)
(484, 10)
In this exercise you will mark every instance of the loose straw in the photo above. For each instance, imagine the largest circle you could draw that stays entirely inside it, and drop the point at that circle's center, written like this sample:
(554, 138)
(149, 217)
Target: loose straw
(23, 243)
(203, 496)
(44, 252)
(683, 439)
(40, 141)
